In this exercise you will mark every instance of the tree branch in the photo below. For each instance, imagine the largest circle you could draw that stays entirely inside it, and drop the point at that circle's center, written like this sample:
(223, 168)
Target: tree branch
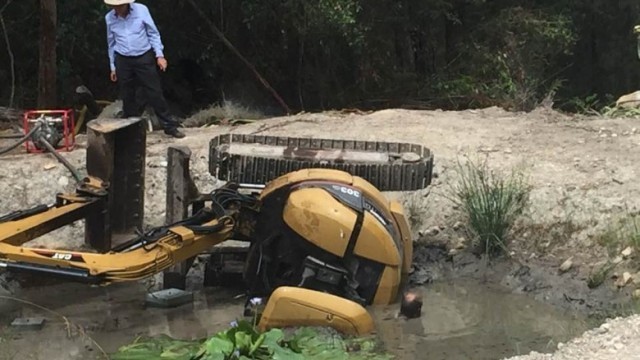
(10, 52)
(5, 6)
(233, 49)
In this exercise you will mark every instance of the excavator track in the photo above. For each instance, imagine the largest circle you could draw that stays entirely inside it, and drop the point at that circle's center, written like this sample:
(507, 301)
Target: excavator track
(257, 159)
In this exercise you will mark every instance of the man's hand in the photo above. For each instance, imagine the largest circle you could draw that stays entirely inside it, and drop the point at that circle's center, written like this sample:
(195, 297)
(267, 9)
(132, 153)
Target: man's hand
(162, 63)
(113, 76)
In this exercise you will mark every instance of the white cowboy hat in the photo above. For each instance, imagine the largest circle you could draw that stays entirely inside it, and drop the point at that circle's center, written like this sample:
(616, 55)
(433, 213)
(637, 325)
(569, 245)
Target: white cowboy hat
(118, 2)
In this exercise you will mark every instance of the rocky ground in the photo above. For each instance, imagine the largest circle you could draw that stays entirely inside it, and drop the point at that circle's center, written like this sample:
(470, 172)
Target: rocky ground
(616, 339)
(583, 172)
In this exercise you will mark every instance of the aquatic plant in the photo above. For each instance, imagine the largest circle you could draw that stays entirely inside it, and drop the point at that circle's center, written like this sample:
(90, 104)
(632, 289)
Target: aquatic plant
(243, 341)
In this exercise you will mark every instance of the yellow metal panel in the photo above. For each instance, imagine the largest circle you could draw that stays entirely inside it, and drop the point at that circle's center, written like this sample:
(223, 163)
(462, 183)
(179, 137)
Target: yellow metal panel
(129, 266)
(405, 232)
(306, 175)
(291, 306)
(21, 231)
(185, 234)
(389, 286)
(320, 219)
(375, 243)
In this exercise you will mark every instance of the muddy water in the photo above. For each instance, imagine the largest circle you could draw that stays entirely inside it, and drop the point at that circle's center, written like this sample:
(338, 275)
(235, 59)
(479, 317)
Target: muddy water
(467, 320)
(112, 316)
(461, 320)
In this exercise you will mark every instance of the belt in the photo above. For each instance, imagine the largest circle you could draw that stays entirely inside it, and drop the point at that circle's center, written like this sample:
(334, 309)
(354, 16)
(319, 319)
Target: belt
(135, 56)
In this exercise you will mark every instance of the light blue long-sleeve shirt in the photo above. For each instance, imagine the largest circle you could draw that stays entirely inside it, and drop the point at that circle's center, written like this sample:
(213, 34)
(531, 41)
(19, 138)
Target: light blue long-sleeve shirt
(133, 35)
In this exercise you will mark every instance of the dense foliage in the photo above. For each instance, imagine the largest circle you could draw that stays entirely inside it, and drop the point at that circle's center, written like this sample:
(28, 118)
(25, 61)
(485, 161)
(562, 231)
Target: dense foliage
(244, 342)
(349, 53)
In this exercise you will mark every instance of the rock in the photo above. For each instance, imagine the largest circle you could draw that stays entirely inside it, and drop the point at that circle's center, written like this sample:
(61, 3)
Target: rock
(157, 164)
(627, 252)
(458, 225)
(460, 244)
(636, 294)
(602, 329)
(169, 298)
(50, 166)
(432, 231)
(566, 265)
(410, 157)
(623, 280)
(63, 181)
(617, 260)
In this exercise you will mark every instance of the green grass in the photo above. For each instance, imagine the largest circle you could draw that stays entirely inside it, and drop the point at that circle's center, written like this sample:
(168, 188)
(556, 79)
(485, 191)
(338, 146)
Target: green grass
(615, 111)
(599, 275)
(625, 232)
(491, 201)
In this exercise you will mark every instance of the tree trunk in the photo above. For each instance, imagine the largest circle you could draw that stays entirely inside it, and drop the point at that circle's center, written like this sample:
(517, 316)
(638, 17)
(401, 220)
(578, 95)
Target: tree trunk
(47, 94)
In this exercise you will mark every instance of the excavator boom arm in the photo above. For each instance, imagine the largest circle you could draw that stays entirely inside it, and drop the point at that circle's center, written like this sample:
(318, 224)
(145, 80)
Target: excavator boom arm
(141, 257)
(143, 260)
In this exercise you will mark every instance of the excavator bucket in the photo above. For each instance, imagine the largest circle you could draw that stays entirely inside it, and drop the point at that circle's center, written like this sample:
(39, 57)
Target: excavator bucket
(256, 160)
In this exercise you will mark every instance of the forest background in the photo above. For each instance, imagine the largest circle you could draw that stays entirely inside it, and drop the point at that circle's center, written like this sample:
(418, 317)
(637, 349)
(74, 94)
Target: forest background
(328, 54)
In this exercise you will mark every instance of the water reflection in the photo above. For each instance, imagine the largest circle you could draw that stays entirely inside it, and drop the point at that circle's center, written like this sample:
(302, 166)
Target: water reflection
(111, 316)
(467, 320)
(462, 320)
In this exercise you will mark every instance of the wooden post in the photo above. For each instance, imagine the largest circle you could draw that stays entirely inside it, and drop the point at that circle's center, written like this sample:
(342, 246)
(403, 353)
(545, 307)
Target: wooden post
(181, 192)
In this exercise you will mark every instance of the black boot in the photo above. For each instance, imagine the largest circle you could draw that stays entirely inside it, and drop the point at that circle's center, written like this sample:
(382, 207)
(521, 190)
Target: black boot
(175, 133)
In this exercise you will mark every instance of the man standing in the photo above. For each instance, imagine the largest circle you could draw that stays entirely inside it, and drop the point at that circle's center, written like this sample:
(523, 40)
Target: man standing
(135, 49)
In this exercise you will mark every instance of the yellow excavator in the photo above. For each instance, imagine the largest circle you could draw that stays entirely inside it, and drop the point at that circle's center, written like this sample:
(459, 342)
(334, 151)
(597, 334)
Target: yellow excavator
(324, 242)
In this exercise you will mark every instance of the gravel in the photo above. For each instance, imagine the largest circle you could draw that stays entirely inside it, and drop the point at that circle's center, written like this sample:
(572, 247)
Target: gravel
(617, 339)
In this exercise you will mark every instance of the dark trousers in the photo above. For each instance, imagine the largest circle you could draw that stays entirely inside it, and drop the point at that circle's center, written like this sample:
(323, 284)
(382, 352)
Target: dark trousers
(142, 70)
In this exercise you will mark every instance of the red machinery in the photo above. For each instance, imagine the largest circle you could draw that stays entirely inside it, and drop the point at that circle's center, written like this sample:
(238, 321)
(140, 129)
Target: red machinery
(56, 126)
